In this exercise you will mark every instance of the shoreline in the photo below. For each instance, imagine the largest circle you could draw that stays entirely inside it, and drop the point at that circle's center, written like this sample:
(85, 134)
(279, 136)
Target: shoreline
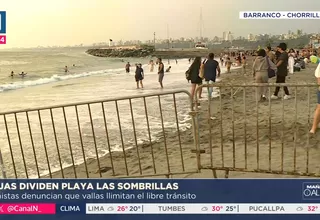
(283, 144)
(105, 161)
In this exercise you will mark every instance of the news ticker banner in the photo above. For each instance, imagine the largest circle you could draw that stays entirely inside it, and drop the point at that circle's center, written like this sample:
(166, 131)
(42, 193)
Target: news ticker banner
(279, 15)
(3, 27)
(159, 196)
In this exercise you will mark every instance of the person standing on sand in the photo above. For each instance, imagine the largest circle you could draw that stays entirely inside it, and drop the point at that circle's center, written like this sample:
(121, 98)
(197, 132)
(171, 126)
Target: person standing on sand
(139, 75)
(160, 71)
(316, 119)
(292, 55)
(211, 67)
(194, 70)
(151, 63)
(282, 65)
(270, 54)
(244, 64)
(127, 67)
(229, 64)
(260, 72)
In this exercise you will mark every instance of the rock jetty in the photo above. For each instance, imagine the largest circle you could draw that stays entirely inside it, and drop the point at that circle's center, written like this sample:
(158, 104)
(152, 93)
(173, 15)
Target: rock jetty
(124, 51)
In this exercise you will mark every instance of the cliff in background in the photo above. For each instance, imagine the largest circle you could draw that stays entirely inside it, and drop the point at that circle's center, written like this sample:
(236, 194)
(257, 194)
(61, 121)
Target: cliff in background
(123, 51)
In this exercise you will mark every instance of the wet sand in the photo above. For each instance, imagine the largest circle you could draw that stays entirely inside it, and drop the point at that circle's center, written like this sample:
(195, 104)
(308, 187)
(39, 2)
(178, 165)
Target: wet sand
(265, 136)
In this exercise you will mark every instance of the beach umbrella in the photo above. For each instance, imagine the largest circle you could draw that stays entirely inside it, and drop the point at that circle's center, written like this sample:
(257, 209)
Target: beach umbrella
(314, 59)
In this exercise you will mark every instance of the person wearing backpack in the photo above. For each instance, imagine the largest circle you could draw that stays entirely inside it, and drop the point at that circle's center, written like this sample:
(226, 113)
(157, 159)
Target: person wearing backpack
(261, 65)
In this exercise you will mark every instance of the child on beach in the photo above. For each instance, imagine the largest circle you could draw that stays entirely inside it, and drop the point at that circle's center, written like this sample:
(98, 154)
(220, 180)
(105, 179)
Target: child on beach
(151, 63)
(228, 64)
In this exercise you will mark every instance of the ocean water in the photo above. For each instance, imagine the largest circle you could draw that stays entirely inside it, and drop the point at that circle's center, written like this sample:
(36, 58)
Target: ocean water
(92, 78)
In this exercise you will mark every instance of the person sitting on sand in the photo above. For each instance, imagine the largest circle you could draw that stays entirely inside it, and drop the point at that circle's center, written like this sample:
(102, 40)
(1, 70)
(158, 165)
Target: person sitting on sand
(139, 75)
(168, 69)
(260, 72)
(229, 64)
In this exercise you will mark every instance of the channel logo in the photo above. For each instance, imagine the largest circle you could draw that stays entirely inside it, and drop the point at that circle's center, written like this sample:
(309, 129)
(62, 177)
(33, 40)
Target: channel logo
(3, 21)
(311, 191)
(3, 38)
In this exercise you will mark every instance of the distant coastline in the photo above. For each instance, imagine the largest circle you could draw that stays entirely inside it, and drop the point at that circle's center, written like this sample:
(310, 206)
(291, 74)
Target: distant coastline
(123, 51)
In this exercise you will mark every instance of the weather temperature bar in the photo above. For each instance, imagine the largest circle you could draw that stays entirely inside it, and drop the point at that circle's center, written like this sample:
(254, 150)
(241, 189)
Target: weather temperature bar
(196, 208)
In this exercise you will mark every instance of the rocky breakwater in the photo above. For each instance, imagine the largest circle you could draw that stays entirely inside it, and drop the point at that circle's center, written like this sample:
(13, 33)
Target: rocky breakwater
(124, 51)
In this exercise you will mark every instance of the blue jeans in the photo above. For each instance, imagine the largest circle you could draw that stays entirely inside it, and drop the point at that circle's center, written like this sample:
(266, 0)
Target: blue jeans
(210, 89)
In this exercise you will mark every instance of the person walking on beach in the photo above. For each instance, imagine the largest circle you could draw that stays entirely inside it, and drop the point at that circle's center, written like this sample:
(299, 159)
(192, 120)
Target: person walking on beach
(127, 67)
(282, 65)
(260, 72)
(160, 72)
(195, 79)
(139, 75)
(211, 67)
(316, 118)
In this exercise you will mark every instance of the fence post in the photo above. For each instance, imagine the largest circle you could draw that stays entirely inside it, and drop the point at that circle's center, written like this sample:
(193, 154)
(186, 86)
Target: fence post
(2, 167)
(195, 125)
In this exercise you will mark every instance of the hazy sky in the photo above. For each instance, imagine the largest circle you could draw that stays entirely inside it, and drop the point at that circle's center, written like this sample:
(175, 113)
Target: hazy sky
(68, 22)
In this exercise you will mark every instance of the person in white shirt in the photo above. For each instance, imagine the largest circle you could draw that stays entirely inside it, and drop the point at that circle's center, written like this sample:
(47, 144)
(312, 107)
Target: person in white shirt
(316, 119)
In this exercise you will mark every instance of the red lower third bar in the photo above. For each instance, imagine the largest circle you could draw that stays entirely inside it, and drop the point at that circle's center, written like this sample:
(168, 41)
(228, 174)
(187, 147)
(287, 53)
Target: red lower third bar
(3, 39)
(27, 209)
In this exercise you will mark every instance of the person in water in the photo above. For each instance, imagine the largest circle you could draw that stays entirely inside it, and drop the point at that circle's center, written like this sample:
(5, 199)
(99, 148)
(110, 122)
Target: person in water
(160, 71)
(12, 74)
(23, 74)
(151, 63)
(168, 69)
(66, 69)
(127, 67)
(139, 75)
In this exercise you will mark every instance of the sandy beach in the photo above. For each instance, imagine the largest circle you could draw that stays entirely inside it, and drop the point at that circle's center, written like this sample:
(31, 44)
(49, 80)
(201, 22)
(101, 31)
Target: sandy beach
(266, 136)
